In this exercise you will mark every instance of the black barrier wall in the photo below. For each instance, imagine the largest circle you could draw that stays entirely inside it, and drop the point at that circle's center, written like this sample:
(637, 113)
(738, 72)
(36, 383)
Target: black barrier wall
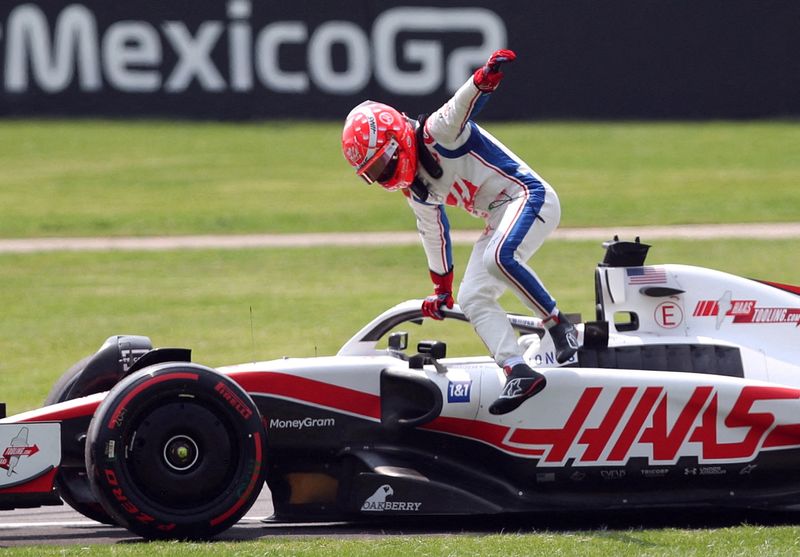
(243, 59)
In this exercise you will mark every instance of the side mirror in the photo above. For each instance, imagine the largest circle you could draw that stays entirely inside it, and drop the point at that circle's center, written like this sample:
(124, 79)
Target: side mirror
(398, 341)
(432, 348)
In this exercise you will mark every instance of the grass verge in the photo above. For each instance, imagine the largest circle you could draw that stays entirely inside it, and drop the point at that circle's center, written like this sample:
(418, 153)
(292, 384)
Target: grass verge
(91, 178)
(723, 542)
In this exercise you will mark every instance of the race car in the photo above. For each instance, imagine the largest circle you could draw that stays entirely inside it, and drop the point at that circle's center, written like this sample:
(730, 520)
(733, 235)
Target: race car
(685, 393)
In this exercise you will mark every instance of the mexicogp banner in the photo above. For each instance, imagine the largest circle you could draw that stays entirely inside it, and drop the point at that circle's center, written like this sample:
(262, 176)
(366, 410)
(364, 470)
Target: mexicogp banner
(257, 59)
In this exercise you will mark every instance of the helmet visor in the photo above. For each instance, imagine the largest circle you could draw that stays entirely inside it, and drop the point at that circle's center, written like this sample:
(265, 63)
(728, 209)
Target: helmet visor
(381, 166)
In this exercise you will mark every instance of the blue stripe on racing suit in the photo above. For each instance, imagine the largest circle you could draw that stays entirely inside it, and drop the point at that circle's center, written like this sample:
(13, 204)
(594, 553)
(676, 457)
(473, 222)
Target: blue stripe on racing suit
(510, 265)
(485, 149)
(478, 106)
(448, 244)
(444, 231)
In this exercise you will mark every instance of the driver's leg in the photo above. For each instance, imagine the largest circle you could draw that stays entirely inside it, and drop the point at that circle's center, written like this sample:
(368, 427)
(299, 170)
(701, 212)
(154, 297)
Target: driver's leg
(525, 225)
(477, 296)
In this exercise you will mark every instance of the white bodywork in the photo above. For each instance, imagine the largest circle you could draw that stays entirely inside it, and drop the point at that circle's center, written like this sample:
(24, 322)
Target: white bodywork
(714, 307)
(27, 451)
(604, 417)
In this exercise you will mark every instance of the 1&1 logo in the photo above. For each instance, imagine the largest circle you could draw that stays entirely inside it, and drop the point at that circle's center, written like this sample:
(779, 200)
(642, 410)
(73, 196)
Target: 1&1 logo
(458, 391)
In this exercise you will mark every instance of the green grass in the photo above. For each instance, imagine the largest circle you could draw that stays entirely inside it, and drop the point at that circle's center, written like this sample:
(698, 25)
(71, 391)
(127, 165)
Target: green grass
(92, 178)
(724, 542)
(59, 307)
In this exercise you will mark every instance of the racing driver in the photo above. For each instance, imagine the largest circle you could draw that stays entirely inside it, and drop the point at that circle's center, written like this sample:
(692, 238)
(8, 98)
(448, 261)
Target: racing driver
(447, 159)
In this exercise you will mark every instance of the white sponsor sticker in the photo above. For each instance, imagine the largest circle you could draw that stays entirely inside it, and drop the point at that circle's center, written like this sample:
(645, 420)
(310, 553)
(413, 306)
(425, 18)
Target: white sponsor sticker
(380, 502)
(27, 451)
(301, 423)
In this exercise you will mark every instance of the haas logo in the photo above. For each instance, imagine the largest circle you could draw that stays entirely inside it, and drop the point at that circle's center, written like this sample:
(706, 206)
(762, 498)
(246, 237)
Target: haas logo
(353, 155)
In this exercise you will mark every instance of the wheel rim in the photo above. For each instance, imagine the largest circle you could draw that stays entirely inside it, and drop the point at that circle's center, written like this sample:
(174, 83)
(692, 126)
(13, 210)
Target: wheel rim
(183, 455)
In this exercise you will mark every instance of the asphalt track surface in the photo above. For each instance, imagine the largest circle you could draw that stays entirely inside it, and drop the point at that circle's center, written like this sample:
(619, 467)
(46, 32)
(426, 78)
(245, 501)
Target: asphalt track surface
(61, 526)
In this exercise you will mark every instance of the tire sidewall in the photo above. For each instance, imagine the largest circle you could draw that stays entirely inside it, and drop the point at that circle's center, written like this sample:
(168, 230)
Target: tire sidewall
(115, 422)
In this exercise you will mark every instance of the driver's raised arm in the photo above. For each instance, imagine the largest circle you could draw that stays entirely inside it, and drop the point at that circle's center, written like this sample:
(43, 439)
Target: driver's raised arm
(449, 122)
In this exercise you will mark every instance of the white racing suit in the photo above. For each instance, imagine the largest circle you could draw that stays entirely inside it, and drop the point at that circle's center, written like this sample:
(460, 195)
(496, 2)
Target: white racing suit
(520, 209)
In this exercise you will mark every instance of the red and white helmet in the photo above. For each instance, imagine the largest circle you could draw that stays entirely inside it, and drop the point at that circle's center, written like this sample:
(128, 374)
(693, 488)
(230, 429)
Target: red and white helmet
(380, 144)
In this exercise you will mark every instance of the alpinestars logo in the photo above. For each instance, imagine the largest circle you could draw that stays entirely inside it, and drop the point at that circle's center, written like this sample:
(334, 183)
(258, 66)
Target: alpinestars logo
(519, 385)
(572, 341)
(377, 502)
(18, 449)
(512, 389)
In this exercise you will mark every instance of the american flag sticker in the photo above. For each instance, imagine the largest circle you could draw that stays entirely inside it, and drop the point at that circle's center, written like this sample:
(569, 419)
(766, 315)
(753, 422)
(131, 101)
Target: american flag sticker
(646, 275)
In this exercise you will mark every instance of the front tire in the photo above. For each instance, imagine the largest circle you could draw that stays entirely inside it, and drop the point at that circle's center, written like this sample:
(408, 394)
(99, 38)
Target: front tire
(175, 451)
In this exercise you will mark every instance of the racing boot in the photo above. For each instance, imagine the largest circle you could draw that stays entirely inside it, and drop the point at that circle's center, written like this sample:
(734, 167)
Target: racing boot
(564, 335)
(521, 384)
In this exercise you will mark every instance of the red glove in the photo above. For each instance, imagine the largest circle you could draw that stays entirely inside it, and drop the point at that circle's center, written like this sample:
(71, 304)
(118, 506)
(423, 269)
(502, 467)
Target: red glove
(488, 77)
(442, 296)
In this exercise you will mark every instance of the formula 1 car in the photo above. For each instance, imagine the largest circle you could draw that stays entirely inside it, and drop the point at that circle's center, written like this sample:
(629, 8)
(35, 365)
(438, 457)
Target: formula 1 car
(685, 392)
